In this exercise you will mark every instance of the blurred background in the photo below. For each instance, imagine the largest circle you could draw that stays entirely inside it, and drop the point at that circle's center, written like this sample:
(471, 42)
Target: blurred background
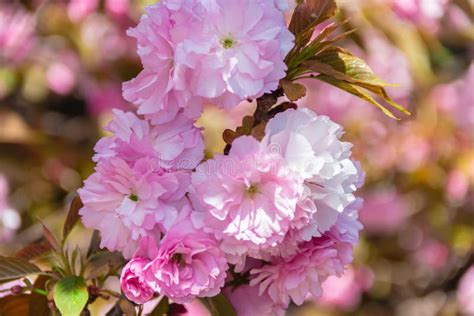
(61, 68)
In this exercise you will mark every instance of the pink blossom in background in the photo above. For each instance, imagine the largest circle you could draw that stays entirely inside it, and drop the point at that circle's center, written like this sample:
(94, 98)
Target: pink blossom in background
(465, 292)
(384, 211)
(457, 185)
(133, 283)
(246, 199)
(104, 41)
(423, 12)
(173, 146)
(117, 7)
(10, 220)
(134, 200)
(345, 292)
(408, 159)
(457, 19)
(247, 301)
(433, 254)
(456, 98)
(80, 9)
(61, 74)
(103, 97)
(189, 263)
(17, 33)
(190, 51)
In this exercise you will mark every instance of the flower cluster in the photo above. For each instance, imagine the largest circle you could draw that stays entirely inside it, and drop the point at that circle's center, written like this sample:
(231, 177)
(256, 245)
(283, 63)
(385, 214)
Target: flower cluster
(278, 212)
(217, 51)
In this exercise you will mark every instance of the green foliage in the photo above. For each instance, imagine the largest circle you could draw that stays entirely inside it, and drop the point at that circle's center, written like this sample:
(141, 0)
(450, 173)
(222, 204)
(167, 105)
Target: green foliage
(219, 306)
(103, 263)
(162, 307)
(321, 59)
(70, 295)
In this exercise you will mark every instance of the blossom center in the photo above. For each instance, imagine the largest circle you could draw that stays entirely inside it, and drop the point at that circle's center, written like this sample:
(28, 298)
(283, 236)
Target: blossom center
(133, 197)
(252, 190)
(178, 258)
(228, 42)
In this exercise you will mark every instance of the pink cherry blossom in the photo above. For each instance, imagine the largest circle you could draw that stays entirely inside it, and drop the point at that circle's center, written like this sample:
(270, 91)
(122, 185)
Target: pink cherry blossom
(345, 292)
(432, 254)
(247, 199)
(196, 308)
(189, 263)
(61, 74)
(248, 302)
(423, 12)
(102, 97)
(239, 52)
(133, 283)
(221, 51)
(16, 33)
(173, 146)
(384, 212)
(80, 9)
(312, 147)
(465, 292)
(134, 200)
(455, 98)
(160, 90)
(294, 277)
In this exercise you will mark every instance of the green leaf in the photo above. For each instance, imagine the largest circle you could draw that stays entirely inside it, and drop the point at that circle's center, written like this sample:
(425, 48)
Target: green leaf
(162, 308)
(293, 90)
(72, 216)
(353, 89)
(219, 306)
(15, 305)
(71, 296)
(12, 268)
(340, 68)
(351, 67)
(103, 262)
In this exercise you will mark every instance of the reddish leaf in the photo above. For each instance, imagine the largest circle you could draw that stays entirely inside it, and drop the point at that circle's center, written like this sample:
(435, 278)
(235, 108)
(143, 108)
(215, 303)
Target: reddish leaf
(72, 216)
(310, 13)
(229, 135)
(127, 307)
(49, 236)
(293, 90)
(33, 250)
(39, 303)
(17, 305)
(14, 268)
